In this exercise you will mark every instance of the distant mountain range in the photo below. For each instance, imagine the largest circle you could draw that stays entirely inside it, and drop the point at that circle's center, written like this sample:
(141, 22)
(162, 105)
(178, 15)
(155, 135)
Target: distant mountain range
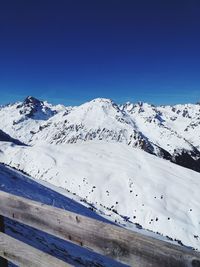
(169, 132)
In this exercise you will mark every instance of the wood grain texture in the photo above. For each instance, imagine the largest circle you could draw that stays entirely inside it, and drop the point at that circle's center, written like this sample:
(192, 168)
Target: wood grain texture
(24, 255)
(120, 244)
(3, 262)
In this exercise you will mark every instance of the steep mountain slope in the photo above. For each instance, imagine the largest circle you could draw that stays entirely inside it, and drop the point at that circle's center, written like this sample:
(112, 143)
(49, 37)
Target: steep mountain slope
(125, 181)
(100, 119)
(166, 131)
(163, 131)
(7, 138)
(184, 119)
(151, 122)
(21, 119)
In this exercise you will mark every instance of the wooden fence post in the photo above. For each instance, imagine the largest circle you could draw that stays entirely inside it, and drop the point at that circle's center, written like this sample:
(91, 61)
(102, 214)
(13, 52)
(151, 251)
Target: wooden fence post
(3, 262)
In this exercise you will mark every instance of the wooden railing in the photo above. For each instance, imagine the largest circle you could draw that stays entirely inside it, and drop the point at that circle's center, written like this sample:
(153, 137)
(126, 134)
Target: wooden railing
(122, 245)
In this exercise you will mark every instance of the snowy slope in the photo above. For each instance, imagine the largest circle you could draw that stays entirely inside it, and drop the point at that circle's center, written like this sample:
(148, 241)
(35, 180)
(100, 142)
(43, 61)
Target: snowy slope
(151, 122)
(184, 119)
(99, 119)
(168, 132)
(19, 184)
(21, 119)
(144, 189)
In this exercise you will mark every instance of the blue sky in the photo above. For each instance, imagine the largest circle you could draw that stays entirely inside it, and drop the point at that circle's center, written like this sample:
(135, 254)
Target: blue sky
(72, 51)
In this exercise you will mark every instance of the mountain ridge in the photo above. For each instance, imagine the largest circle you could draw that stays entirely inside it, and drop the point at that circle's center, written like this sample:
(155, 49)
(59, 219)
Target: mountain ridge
(165, 131)
(98, 152)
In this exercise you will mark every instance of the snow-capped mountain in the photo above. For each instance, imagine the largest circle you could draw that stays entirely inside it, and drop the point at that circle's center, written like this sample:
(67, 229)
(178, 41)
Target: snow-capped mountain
(97, 152)
(127, 184)
(170, 132)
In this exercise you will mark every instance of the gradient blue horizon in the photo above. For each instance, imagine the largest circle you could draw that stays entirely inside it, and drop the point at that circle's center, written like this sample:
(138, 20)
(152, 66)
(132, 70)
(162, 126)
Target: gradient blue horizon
(70, 52)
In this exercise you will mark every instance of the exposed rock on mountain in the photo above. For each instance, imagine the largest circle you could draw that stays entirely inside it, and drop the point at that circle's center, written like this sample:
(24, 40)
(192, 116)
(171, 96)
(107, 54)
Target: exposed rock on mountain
(7, 138)
(170, 132)
(34, 109)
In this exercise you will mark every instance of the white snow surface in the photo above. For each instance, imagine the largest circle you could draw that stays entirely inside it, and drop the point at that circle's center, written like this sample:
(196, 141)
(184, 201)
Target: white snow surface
(17, 183)
(169, 127)
(159, 195)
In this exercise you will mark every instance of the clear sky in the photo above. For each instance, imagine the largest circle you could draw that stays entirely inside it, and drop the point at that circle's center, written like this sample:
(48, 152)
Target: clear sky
(71, 51)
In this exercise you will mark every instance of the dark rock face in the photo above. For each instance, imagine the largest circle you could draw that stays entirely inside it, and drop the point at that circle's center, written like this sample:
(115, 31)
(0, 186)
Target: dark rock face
(35, 109)
(7, 138)
(31, 106)
(184, 159)
(30, 100)
(165, 154)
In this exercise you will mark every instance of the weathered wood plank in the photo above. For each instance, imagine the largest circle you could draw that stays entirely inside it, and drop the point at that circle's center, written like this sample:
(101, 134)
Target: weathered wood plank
(3, 262)
(24, 255)
(118, 243)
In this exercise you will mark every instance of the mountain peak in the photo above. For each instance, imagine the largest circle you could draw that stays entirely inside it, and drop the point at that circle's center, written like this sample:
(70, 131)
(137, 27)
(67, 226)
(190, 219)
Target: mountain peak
(32, 100)
(154, 129)
(102, 100)
(33, 108)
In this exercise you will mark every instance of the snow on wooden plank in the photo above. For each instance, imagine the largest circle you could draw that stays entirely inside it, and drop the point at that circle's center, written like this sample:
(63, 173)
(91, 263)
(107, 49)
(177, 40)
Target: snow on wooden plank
(120, 244)
(24, 255)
